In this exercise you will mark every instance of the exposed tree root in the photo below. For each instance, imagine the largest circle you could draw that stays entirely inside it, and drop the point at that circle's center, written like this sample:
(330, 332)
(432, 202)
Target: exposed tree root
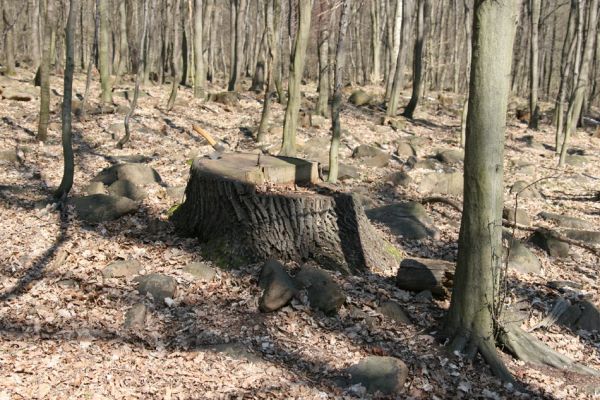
(556, 235)
(527, 348)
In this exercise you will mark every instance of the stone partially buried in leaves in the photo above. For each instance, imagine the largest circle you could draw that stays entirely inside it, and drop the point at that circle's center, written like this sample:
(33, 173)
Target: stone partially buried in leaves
(524, 191)
(548, 242)
(201, 271)
(419, 274)
(380, 374)
(279, 288)
(158, 285)
(399, 178)
(135, 317)
(393, 311)
(409, 220)
(126, 188)
(122, 269)
(443, 183)
(136, 173)
(323, 292)
(521, 259)
(101, 207)
(359, 98)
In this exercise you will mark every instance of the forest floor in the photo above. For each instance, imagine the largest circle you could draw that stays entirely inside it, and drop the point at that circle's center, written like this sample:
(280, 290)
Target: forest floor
(61, 322)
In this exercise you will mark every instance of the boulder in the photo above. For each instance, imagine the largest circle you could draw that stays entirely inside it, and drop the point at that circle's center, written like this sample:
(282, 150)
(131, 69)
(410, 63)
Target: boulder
(451, 156)
(122, 269)
(226, 98)
(519, 216)
(442, 182)
(279, 288)
(19, 94)
(130, 158)
(590, 237)
(344, 172)
(201, 271)
(126, 188)
(546, 240)
(380, 374)
(317, 149)
(101, 208)
(427, 163)
(564, 221)
(419, 274)
(393, 311)
(405, 150)
(135, 317)
(138, 174)
(318, 121)
(323, 292)
(409, 220)
(522, 260)
(9, 156)
(524, 192)
(371, 156)
(399, 178)
(359, 98)
(158, 285)
(582, 315)
(95, 188)
(176, 192)
(577, 160)
(378, 161)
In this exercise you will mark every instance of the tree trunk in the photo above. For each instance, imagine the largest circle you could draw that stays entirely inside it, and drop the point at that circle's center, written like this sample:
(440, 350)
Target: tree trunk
(67, 136)
(237, 60)
(323, 49)
(417, 89)
(35, 34)
(534, 66)
(290, 122)
(340, 58)
(576, 101)
(199, 75)
(375, 42)
(468, 25)
(176, 60)
(122, 65)
(398, 85)
(9, 39)
(46, 15)
(470, 319)
(394, 45)
(238, 223)
(103, 53)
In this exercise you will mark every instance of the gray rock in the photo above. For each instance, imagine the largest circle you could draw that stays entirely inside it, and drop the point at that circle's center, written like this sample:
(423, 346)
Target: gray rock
(318, 121)
(359, 98)
(158, 285)
(95, 188)
(138, 174)
(424, 296)
(378, 161)
(380, 374)
(577, 160)
(236, 351)
(279, 288)
(9, 156)
(101, 208)
(582, 315)
(547, 241)
(317, 149)
(131, 158)
(323, 292)
(427, 163)
(118, 128)
(126, 188)
(564, 221)
(405, 219)
(399, 178)
(19, 94)
(443, 183)
(122, 269)
(226, 98)
(451, 156)
(524, 192)
(201, 271)
(424, 274)
(364, 151)
(519, 216)
(405, 150)
(590, 237)
(344, 172)
(176, 192)
(521, 259)
(135, 317)
(393, 311)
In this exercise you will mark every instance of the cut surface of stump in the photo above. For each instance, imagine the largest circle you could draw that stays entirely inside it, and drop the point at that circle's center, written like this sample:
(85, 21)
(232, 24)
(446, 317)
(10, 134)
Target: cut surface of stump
(246, 209)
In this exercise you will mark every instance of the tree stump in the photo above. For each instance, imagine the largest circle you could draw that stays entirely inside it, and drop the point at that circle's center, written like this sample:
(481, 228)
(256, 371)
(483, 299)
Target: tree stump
(246, 208)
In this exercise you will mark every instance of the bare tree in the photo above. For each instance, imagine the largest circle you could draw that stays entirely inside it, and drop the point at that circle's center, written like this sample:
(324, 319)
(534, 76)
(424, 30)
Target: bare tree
(176, 58)
(199, 75)
(422, 12)
(46, 15)
(103, 52)
(534, 69)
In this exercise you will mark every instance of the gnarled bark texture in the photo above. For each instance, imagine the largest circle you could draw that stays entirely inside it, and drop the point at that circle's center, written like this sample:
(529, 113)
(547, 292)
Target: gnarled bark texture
(237, 223)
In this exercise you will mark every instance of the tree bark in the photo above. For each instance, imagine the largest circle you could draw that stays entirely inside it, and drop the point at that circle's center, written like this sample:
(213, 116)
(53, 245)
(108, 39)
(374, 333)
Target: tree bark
(534, 65)
(375, 11)
(340, 58)
(398, 84)
(323, 49)
(199, 74)
(176, 59)
(122, 65)
(423, 10)
(67, 136)
(468, 25)
(470, 319)
(237, 60)
(290, 122)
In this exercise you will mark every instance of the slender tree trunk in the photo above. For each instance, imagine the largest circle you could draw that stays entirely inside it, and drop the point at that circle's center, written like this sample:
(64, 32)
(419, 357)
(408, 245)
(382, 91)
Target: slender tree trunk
(455, 56)
(577, 98)
(340, 58)
(35, 34)
(323, 48)
(272, 17)
(423, 10)
(290, 122)
(468, 25)
(122, 65)
(93, 52)
(394, 45)
(440, 67)
(9, 39)
(67, 135)
(199, 75)
(534, 66)
(398, 85)
(176, 60)
(237, 61)
(46, 15)
(103, 53)
(470, 319)
(375, 42)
